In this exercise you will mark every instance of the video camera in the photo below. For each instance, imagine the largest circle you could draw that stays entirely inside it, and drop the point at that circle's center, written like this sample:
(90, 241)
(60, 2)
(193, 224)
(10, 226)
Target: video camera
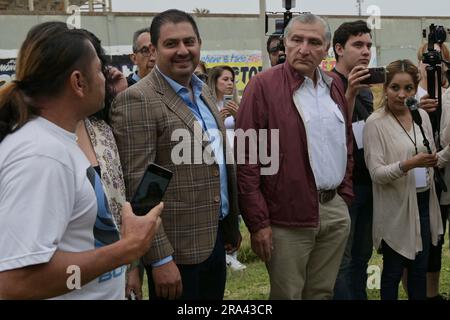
(433, 59)
(280, 25)
(436, 35)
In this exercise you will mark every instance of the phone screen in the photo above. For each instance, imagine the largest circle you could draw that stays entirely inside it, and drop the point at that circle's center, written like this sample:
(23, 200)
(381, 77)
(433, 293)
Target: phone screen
(151, 189)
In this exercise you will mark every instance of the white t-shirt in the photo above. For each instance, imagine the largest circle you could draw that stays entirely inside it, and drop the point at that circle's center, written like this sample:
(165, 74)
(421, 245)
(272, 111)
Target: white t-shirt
(52, 199)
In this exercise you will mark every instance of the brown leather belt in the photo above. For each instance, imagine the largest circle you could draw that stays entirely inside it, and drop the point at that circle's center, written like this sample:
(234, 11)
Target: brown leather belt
(326, 195)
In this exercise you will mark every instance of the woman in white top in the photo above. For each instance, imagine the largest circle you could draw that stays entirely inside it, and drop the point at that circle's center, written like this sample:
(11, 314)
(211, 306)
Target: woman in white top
(406, 217)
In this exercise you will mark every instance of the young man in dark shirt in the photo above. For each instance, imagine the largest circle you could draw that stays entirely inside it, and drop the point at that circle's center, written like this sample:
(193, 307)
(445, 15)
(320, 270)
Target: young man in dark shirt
(352, 42)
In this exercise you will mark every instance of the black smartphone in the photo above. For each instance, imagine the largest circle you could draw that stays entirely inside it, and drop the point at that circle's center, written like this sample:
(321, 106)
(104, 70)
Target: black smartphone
(151, 189)
(377, 75)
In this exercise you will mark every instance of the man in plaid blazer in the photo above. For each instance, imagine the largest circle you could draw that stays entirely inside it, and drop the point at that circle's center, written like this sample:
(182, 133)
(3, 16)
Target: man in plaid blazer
(187, 258)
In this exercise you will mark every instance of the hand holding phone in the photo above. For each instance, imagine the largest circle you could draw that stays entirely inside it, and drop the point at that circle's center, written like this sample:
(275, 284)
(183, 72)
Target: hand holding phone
(151, 189)
(230, 105)
(226, 98)
(377, 75)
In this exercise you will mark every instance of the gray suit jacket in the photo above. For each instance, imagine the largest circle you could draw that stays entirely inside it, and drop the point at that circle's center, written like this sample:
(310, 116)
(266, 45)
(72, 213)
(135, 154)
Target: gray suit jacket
(144, 118)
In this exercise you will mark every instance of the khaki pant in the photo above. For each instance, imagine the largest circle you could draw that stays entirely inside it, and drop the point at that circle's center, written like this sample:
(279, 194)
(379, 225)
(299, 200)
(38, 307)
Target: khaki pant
(305, 261)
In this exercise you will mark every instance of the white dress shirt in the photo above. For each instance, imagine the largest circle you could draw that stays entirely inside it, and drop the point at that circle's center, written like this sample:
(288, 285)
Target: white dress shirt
(325, 131)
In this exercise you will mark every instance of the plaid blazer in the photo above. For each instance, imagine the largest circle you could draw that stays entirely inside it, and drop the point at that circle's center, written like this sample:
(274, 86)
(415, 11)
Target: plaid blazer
(144, 117)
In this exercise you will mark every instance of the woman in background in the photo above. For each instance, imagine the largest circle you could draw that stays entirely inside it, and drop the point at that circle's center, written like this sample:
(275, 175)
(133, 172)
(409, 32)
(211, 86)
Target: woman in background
(221, 81)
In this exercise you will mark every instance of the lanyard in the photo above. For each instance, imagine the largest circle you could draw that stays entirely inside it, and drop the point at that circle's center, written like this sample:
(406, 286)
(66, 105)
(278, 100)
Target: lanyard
(414, 142)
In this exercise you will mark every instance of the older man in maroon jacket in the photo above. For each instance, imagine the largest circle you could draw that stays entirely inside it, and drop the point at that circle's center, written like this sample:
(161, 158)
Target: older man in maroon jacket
(298, 217)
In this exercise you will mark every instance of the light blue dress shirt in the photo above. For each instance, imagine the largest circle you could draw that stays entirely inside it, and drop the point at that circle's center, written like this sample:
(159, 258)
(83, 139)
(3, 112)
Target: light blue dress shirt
(205, 117)
(135, 77)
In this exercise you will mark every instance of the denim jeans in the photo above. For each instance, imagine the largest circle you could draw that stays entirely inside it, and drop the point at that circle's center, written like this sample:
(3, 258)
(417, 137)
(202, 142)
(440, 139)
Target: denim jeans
(394, 263)
(351, 281)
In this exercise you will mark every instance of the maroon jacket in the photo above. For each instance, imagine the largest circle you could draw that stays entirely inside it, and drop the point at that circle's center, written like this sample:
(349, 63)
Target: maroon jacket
(288, 198)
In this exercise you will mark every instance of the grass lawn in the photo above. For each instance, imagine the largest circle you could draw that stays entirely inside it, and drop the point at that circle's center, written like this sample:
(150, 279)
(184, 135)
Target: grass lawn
(253, 282)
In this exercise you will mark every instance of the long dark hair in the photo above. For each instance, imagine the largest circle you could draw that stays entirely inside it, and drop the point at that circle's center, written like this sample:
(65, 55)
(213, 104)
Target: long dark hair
(47, 57)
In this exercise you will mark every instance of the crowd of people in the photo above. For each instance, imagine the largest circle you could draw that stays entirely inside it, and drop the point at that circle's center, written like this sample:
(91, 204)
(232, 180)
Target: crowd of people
(76, 137)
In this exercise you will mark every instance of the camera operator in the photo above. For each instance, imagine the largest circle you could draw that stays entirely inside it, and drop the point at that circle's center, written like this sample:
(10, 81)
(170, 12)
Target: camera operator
(275, 49)
(430, 105)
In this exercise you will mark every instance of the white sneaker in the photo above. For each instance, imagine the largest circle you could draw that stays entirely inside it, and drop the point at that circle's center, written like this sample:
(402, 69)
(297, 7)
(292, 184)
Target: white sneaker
(234, 263)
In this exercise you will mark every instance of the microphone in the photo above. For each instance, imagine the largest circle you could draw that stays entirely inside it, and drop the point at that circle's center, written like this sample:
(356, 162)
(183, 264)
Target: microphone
(413, 105)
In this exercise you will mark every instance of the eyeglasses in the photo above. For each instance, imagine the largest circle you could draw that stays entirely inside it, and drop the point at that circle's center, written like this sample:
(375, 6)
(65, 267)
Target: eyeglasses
(145, 51)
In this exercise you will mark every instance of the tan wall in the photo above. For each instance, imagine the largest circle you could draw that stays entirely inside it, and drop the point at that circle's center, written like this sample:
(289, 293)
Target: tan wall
(398, 38)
